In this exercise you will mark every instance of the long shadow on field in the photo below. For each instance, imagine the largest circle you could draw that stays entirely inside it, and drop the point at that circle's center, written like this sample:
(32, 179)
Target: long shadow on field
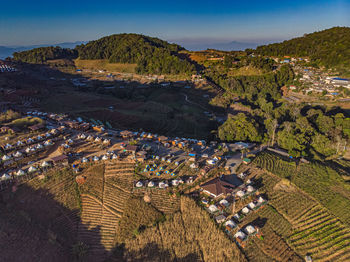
(34, 226)
(151, 108)
(151, 252)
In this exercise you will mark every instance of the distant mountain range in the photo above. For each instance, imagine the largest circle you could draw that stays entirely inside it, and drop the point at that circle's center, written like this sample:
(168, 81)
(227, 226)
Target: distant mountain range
(228, 46)
(6, 51)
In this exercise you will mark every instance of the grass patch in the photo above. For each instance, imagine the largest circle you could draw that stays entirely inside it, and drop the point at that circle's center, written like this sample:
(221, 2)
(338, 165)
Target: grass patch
(103, 64)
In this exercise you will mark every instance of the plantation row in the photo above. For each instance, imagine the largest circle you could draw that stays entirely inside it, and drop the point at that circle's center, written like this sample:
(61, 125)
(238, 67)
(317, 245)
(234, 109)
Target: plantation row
(320, 181)
(307, 226)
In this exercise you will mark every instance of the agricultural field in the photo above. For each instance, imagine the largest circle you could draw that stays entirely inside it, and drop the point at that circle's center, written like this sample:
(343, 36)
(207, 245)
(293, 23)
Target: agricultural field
(101, 64)
(189, 235)
(299, 212)
(155, 110)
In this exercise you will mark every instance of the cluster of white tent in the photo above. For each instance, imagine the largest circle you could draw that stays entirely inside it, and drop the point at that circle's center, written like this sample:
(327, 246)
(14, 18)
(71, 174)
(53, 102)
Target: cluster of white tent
(28, 150)
(108, 156)
(245, 191)
(31, 140)
(22, 172)
(249, 208)
(245, 232)
(7, 68)
(163, 183)
(95, 139)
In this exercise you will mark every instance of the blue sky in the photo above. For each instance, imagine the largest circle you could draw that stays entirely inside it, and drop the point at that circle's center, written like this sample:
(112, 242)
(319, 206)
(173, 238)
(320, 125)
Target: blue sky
(27, 22)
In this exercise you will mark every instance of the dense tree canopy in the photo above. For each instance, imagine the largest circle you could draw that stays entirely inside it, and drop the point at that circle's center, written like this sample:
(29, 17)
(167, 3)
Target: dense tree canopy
(43, 54)
(152, 55)
(328, 48)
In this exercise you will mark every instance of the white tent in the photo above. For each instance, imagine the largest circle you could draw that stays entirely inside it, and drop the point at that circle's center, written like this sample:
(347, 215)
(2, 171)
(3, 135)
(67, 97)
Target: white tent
(53, 131)
(240, 235)
(224, 202)
(45, 164)
(106, 141)
(30, 140)
(89, 138)
(19, 143)
(240, 193)
(97, 139)
(245, 210)
(28, 150)
(70, 141)
(39, 146)
(47, 143)
(212, 208)
(250, 229)
(84, 160)
(82, 136)
(230, 224)
(175, 182)
(32, 169)
(8, 146)
(236, 216)
(5, 177)
(139, 184)
(47, 134)
(6, 157)
(162, 185)
(105, 157)
(95, 158)
(151, 184)
(261, 200)
(251, 205)
(114, 156)
(39, 137)
(18, 154)
(250, 189)
(20, 172)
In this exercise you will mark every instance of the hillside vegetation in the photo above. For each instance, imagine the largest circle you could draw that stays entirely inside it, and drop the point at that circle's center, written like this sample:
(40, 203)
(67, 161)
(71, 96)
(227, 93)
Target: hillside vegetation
(327, 48)
(190, 235)
(152, 55)
(42, 54)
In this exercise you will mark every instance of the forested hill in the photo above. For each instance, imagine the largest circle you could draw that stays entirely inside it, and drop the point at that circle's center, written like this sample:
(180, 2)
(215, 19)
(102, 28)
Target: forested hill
(152, 55)
(43, 54)
(330, 47)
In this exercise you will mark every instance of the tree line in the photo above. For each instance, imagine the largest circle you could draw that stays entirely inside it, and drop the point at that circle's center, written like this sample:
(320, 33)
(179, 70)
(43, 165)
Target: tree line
(152, 55)
(327, 48)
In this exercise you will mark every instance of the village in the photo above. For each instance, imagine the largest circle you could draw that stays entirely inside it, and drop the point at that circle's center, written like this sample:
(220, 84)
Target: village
(206, 171)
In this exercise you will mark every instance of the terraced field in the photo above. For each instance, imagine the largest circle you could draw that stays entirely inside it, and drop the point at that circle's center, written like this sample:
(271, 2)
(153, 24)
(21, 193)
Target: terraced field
(103, 203)
(305, 224)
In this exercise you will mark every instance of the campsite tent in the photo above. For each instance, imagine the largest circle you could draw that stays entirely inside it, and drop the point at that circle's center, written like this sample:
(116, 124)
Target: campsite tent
(32, 169)
(250, 229)
(139, 184)
(5, 158)
(20, 172)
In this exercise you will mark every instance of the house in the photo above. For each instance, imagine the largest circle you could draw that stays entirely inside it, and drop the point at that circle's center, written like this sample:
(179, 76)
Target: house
(131, 148)
(60, 160)
(126, 134)
(217, 187)
(36, 127)
(220, 219)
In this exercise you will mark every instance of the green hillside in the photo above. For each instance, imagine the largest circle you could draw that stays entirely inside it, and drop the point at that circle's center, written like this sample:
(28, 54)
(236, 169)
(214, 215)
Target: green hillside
(329, 48)
(152, 55)
(42, 54)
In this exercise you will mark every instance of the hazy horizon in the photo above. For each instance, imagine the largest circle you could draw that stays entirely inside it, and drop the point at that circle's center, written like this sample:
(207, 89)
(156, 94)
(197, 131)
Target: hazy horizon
(44, 22)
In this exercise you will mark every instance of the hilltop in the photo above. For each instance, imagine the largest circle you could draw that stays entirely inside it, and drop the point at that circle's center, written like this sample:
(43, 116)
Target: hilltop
(327, 48)
(152, 55)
